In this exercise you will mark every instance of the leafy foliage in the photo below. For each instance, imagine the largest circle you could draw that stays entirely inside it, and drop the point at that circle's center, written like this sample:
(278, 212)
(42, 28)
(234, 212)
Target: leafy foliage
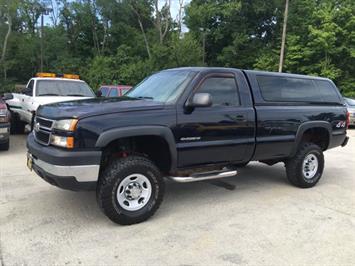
(122, 41)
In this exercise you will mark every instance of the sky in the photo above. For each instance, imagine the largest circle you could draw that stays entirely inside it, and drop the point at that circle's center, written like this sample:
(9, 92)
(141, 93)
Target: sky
(174, 9)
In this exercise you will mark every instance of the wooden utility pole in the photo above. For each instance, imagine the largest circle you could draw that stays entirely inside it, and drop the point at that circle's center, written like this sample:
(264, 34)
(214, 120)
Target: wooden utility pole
(42, 26)
(282, 51)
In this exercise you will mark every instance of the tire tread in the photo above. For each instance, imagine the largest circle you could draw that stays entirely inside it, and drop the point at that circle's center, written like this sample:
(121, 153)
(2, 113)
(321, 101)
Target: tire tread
(293, 164)
(104, 188)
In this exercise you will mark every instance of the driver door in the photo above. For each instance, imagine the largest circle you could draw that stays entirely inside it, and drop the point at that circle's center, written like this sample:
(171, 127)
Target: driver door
(216, 134)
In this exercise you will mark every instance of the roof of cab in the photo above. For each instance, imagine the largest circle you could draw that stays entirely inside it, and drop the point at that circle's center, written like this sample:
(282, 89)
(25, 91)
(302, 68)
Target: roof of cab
(255, 72)
(63, 79)
(267, 73)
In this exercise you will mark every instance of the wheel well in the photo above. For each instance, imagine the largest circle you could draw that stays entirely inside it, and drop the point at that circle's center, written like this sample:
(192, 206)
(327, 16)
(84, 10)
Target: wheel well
(154, 147)
(317, 135)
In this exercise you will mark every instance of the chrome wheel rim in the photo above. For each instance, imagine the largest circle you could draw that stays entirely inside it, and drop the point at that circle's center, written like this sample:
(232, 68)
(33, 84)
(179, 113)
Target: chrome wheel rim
(134, 192)
(310, 166)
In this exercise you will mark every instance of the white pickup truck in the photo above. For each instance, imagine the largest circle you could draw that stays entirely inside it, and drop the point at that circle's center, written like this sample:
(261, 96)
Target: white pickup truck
(45, 88)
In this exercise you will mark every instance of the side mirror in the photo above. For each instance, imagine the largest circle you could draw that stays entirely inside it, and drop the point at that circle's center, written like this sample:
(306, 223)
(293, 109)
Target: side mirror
(98, 93)
(201, 100)
(28, 92)
(7, 96)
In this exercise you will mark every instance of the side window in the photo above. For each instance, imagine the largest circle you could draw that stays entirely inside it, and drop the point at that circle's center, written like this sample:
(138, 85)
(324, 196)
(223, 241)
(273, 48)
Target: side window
(104, 91)
(29, 89)
(113, 92)
(327, 91)
(223, 90)
(287, 89)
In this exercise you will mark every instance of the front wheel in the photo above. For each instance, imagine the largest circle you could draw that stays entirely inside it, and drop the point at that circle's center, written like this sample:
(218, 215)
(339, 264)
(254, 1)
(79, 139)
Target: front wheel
(306, 168)
(130, 190)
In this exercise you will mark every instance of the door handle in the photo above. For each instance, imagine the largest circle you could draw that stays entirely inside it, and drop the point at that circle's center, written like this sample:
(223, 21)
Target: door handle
(240, 118)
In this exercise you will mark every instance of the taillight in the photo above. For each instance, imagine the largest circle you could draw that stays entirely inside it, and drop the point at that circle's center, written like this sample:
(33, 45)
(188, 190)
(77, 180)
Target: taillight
(3, 113)
(347, 119)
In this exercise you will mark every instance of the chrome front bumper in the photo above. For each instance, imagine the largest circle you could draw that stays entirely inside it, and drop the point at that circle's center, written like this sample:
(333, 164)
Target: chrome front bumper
(81, 173)
(73, 170)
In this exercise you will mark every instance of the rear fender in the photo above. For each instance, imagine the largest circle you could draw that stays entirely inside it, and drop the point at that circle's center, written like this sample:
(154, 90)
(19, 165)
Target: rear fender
(308, 125)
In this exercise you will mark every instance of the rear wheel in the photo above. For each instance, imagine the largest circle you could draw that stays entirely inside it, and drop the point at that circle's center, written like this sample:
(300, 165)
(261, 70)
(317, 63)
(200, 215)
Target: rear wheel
(306, 168)
(5, 146)
(130, 190)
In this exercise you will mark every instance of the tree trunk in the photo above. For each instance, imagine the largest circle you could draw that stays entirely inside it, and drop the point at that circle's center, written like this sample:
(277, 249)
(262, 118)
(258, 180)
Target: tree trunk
(282, 51)
(142, 30)
(6, 40)
(180, 14)
(158, 21)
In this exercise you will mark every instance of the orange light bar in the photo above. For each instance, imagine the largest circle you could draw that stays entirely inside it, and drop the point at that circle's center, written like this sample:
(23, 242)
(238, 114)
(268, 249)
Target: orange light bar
(45, 75)
(71, 76)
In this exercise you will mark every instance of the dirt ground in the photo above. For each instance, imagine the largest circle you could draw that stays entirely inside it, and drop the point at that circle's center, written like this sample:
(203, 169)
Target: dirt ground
(264, 220)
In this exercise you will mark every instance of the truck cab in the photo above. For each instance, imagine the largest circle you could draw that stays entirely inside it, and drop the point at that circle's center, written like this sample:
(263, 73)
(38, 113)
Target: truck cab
(45, 88)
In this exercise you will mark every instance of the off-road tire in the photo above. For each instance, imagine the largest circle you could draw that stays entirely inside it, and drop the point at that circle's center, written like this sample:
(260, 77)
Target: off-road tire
(5, 146)
(110, 180)
(294, 166)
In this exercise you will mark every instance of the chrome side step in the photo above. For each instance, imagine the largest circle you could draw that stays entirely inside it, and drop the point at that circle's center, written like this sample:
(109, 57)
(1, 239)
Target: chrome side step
(203, 176)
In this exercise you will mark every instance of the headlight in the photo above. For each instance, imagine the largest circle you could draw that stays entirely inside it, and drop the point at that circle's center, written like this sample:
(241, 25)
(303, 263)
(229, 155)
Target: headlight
(64, 142)
(66, 125)
(3, 112)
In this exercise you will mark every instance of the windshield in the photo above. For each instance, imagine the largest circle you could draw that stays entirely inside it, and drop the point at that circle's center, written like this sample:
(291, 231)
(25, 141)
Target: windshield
(350, 102)
(63, 88)
(165, 86)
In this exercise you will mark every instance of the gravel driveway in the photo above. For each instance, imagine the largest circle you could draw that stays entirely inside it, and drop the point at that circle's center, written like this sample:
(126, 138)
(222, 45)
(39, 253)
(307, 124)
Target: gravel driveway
(263, 221)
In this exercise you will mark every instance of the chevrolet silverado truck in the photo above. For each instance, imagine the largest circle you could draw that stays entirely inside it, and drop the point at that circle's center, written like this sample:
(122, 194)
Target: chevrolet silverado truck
(186, 125)
(43, 89)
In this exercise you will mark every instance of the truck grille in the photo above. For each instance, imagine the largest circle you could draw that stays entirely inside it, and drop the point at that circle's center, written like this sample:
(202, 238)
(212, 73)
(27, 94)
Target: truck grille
(42, 137)
(43, 130)
(44, 122)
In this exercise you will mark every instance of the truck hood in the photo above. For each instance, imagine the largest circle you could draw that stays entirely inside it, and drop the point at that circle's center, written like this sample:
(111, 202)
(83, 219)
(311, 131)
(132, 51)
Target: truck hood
(351, 109)
(55, 99)
(95, 106)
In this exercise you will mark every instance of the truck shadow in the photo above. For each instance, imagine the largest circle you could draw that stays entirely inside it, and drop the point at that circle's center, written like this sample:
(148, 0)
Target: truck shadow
(17, 144)
(255, 178)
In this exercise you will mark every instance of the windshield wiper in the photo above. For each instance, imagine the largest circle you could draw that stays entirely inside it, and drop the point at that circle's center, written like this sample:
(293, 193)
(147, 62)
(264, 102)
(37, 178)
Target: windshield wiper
(81, 95)
(145, 97)
(49, 94)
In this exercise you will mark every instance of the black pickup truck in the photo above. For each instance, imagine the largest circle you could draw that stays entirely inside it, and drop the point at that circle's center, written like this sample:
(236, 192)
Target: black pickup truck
(186, 124)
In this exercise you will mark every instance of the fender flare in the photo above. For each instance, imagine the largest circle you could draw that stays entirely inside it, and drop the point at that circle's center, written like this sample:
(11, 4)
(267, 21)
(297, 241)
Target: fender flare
(308, 125)
(164, 132)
